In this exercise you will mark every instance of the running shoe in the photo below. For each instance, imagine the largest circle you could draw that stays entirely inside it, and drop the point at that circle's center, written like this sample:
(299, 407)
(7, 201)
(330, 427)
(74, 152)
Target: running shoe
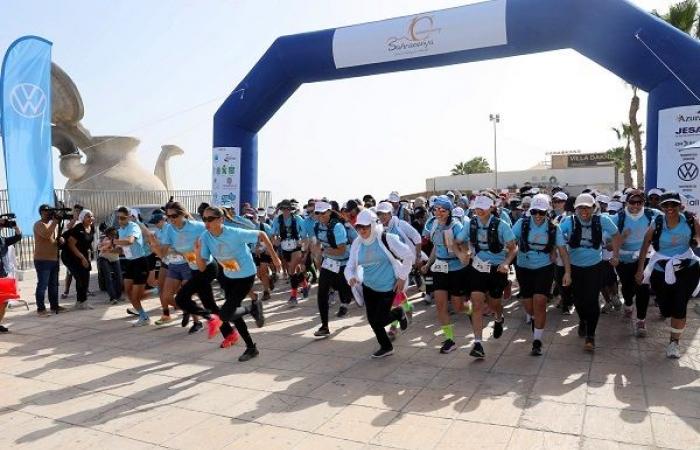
(132, 311)
(164, 320)
(477, 350)
(673, 351)
(498, 328)
(60, 309)
(305, 291)
(322, 332)
(214, 323)
(382, 353)
(448, 345)
(292, 302)
(589, 346)
(403, 321)
(91, 294)
(185, 319)
(230, 340)
(4, 329)
(627, 314)
(617, 304)
(249, 353)
(82, 306)
(342, 311)
(257, 313)
(607, 308)
(536, 348)
(392, 333)
(42, 313)
(64, 296)
(142, 322)
(196, 326)
(640, 329)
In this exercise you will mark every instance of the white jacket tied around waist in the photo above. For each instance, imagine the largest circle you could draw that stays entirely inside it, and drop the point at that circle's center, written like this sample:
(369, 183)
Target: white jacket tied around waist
(401, 268)
(670, 269)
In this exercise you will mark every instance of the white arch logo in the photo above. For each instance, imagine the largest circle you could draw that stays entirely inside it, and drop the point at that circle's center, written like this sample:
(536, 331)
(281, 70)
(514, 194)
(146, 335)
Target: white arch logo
(28, 100)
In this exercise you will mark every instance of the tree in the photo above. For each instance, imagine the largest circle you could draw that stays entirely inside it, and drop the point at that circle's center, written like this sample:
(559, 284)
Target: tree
(636, 134)
(684, 16)
(474, 165)
(624, 134)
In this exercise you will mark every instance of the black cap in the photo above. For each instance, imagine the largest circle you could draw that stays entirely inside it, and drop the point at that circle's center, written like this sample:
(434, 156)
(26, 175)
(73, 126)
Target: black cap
(156, 217)
(44, 207)
(670, 196)
(351, 204)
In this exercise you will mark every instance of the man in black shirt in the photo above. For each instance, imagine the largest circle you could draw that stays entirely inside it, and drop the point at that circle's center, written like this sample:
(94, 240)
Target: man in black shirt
(5, 243)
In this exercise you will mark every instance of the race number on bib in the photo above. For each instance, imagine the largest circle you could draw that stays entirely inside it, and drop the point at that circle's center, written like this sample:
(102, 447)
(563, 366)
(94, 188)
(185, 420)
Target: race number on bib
(481, 266)
(331, 264)
(231, 265)
(440, 267)
(289, 245)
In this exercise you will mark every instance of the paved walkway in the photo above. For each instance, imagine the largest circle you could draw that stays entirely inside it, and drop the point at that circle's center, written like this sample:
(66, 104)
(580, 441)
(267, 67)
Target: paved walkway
(87, 379)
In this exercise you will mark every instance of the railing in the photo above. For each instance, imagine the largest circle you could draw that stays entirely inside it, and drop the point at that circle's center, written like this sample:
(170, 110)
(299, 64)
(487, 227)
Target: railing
(103, 203)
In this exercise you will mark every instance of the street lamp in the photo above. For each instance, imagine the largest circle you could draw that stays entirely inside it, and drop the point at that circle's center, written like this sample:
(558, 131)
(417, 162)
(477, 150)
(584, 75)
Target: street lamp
(495, 118)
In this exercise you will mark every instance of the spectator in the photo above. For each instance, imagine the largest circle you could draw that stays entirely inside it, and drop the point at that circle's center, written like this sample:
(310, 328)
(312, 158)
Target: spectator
(46, 260)
(5, 244)
(108, 262)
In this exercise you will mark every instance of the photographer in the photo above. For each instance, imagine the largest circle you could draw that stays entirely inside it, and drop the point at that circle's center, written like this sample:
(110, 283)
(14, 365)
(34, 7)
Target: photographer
(76, 255)
(77, 209)
(5, 265)
(46, 243)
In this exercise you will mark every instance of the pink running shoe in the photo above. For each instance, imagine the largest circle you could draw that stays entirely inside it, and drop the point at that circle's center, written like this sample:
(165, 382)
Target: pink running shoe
(230, 340)
(214, 324)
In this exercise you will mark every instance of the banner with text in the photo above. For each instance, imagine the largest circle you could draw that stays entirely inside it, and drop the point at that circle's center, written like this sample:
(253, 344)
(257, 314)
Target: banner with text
(679, 146)
(226, 177)
(452, 30)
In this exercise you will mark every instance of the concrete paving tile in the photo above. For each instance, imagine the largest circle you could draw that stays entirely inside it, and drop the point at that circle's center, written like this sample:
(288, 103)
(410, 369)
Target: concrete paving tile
(357, 423)
(475, 436)
(503, 384)
(413, 374)
(266, 437)
(457, 380)
(600, 444)
(677, 402)
(518, 365)
(552, 416)
(494, 410)
(437, 403)
(568, 352)
(165, 425)
(523, 439)
(559, 390)
(633, 427)
(676, 432)
(615, 373)
(341, 390)
(412, 432)
(387, 395)
(304, 414)
(565, 369)
(612, 395)
(325, 442)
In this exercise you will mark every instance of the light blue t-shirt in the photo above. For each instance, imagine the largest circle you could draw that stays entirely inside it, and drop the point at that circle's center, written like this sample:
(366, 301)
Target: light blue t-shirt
(537, 239)
(231, 250)
(585, 256)
(298, 222)
(182, 240)
(635, 230)
(341, 238)
(505, 216)
(673, 241)
(378, 273)
(135, 250)
(442, 252)
(309, 224)
(505, 235)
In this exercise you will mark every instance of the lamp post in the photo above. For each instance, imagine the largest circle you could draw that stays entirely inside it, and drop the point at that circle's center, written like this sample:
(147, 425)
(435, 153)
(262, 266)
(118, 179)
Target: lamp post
(495, 118)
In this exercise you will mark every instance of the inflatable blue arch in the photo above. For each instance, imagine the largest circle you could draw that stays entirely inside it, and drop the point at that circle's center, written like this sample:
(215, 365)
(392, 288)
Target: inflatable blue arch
(633, 44)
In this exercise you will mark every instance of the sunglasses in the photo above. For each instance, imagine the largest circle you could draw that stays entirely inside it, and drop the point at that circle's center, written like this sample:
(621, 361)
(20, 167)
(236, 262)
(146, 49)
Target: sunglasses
(362, 227)
(537, 212)
(669, 205)
(441, 209)
(318, 213)
(208, 219)
(173, 216)
(636, 202)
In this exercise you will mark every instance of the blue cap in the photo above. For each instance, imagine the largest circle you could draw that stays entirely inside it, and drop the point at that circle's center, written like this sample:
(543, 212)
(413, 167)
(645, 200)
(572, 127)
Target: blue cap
(443, 202)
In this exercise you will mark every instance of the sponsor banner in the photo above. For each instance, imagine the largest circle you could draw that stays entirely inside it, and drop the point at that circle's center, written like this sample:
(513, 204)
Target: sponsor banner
(679, 147)
(226, 177)
(589, 160)
(26, 128)
(452, 30)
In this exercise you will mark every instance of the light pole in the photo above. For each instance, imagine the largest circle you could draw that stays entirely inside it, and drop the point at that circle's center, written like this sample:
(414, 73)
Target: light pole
(495, 118)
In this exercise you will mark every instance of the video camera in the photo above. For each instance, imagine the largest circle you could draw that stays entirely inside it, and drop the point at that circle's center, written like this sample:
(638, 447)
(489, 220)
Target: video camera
(61, 213)
(6, 220)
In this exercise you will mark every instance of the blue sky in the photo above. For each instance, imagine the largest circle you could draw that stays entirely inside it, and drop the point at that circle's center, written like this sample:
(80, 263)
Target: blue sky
(137, 62)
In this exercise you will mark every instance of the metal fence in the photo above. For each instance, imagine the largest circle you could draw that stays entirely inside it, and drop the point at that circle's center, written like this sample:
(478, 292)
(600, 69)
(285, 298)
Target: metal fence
(103, 203)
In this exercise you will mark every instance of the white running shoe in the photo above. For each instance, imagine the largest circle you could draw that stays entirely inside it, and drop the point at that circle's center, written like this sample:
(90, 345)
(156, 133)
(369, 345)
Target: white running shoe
(673, 350)
(82, 306)
(141, 322)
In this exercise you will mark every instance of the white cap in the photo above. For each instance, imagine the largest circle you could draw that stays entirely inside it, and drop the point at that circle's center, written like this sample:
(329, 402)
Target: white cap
(321, 207)
(270, 209)
(366, 217)
(394, 197)
(450, 194)
(261, 212)
(617, 194)
(614, 206)
(431, 200)
(385, 207)
(534, 191)
(527, 199)
(584, 200)
(133, 212)
(603, 199)
(560, 196)
(540, 202)
(654, 192)
(458, 212)
(483, 202)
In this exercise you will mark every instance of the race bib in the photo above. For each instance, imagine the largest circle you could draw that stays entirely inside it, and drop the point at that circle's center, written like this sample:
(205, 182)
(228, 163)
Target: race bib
(481, 265)
(174, 258)
(289, 245)
(440, 267)
(128, 254)
(331, 264)
(190, 257)
(231, 265)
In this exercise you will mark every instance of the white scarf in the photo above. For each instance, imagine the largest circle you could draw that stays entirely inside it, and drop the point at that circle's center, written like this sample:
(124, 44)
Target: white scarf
(375, 230)
(634, 216)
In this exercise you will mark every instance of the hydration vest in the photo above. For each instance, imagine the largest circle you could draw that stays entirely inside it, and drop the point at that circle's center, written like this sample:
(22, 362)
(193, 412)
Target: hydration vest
(659, 225)
(283, 228)
(577, 229)
(525, 234)
(330, 235)
(622, 215)
(495, 245)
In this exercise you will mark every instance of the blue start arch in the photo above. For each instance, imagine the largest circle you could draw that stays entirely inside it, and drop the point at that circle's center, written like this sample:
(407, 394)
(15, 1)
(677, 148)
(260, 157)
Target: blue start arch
(633, 44)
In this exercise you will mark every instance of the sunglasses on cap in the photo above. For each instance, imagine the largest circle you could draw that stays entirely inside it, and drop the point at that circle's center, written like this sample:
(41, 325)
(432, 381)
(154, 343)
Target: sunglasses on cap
(208, 219)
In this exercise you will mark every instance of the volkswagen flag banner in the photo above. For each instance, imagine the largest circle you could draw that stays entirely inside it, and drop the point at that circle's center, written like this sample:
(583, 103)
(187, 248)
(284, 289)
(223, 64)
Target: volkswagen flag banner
(26, 127)
(679, 147)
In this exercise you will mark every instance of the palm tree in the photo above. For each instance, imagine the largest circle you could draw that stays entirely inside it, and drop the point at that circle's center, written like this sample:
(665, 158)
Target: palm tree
(624, 134)
(636, 134)
(474, 165)
(684, 16)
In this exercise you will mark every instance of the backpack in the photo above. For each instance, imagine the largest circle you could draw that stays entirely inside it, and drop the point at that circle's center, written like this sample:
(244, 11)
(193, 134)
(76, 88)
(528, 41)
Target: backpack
(386, 244)
(283, 228)
(577, 229)
(659, 225)
(622, 215)
(495, 245)
(525, 234)
(330, 235)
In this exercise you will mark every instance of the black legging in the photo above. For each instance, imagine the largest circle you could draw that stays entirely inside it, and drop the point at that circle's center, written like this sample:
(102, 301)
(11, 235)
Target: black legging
(632, 292)
(564, 291)
(81, 275)
(673, 298)
(329, 279)
(380, 314)
(200, 284)
(235, 290)
(585, 286)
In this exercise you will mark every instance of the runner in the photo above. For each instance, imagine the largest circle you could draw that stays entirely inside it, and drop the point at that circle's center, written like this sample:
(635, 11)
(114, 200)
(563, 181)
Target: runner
(538, 237)
(288, 232)
(386, 263)
(76, 255)
(673, 270)
(584, 235)
(135, 266)
(493, 246)
(263, 261)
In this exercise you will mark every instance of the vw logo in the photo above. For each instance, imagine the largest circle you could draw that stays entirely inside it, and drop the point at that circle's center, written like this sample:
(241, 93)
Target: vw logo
(28, 100)
(688, 171)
